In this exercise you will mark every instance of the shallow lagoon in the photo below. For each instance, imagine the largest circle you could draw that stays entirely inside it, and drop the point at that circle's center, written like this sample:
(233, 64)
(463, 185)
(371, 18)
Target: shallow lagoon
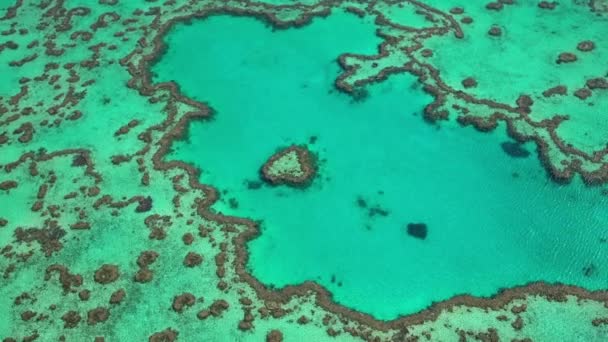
(493, 221)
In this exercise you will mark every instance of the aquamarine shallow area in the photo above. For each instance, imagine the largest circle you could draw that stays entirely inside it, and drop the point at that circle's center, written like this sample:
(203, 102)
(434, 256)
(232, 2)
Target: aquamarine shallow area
(494, 221)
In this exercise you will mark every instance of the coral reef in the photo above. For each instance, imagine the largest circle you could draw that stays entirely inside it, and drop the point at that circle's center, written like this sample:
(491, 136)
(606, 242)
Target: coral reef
(72, 222)
(293, 166)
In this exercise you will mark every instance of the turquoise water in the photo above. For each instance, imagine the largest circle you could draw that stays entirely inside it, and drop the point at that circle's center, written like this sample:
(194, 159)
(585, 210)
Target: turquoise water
(493, 221)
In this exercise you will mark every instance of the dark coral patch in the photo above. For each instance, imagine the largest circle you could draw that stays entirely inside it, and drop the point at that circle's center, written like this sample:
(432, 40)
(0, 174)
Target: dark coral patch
(514, 149)
(188, 238)
(48, 237)
(547, 5)
(117, 296)
(557, 90)
(84, 295)
(71, 319)
(524, 103)
(456, 10)
(253, 185)
(27, 315)
(79, 160)
(183, 301)
(97, 315)
(146, 258)
(597, 83)
(293, 166)
(218, 307)
(167, 335)
(7, 185)
(582, 93)
(192, 259)
(589, 270)
(566, 57)
(586, 46)
(67, 280)
(494, 6)
(144, 275)
(274, 336)
(469, 82)
(417, 230)
(466, 20)
(203, 314)
(106, 274)
(145, 204)
(495, 31)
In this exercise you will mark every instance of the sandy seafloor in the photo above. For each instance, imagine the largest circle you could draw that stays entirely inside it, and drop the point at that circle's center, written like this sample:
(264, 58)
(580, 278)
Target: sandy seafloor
(132, 135)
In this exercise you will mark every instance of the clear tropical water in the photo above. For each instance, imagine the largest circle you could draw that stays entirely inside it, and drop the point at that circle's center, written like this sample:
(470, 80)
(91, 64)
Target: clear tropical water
(494, 221)
(83, 185)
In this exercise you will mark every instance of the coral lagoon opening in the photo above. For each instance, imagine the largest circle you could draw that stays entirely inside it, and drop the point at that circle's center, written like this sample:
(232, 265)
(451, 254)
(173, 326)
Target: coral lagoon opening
(494, 219)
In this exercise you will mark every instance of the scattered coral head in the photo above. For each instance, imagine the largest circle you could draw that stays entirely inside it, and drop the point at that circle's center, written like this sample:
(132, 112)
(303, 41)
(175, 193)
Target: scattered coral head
(293, 166)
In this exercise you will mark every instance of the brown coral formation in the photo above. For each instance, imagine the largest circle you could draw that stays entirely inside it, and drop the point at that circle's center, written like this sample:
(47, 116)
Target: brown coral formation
(203, 314)
(106, 274)
(469, 82)
(582, 93)
(218, 306)
(495, 6)
(517, 309)
(145, 204)
(183, 301)
(48, 237)
(27, 315)
(600, 321)
(524, 103)
(97, 315)
(586, 46)
(495, 31)
(294, 166)
(557, 90)
(245, 325)
(518, 324)
(547, 5)
(126, 128)
(84, 295)
(145, 259)
(566, 57)
(188, 238)
(597, 83)
(456, 10)
(117, 296)
(144, 275)
(8, 185)
(215, 309)
(192, 259)
(71, 319)
(303, 320)
(274, 336)
(167, 335)
(66, 279)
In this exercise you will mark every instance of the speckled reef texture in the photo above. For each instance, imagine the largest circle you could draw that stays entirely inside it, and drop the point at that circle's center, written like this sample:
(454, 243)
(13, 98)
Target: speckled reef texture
(105, 236)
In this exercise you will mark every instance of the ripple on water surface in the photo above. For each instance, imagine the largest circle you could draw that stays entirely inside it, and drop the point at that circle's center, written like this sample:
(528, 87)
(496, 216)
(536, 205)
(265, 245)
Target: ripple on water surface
(492, 220)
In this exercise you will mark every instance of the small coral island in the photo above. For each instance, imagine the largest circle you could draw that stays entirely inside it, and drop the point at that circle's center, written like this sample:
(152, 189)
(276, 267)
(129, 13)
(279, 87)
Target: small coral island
(293, 166)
